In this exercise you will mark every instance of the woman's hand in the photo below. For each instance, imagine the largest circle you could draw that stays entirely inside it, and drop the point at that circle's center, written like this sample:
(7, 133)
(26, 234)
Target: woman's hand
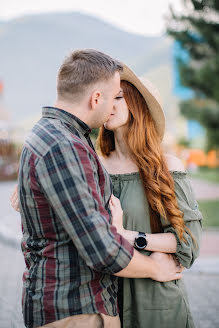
(14, 199)
(117, 213)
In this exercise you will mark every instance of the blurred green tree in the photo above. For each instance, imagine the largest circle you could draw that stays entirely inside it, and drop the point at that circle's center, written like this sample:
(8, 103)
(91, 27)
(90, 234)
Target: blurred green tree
(197, 32)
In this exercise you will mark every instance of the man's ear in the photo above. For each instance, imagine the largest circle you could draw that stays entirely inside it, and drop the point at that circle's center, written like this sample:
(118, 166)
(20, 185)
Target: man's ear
(95, 99)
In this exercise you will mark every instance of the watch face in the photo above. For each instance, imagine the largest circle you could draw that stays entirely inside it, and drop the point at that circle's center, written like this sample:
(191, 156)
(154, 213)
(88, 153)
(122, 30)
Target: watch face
(141, 242)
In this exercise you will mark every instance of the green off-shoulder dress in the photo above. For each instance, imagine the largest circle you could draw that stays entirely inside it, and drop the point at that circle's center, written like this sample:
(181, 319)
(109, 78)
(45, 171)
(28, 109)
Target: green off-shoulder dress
(145, 302)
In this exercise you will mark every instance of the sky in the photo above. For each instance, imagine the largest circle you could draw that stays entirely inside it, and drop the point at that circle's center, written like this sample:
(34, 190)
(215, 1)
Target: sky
(137, 16)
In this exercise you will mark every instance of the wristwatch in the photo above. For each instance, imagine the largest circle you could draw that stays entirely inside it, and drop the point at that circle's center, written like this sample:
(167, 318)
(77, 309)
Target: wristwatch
(140, 241)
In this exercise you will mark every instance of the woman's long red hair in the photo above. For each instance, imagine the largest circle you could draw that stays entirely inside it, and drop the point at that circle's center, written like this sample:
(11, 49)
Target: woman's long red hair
(145, 146)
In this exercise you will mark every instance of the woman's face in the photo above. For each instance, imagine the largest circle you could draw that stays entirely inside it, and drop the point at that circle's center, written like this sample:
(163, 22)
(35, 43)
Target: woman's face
(120, 113)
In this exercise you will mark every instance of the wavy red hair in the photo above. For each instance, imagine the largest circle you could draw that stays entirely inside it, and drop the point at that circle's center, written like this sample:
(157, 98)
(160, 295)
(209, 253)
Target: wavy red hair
(145, 146)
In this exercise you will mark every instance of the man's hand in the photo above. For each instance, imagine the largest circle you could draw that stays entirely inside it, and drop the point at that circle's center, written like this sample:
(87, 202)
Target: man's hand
(117, 213)
(166, 267)
(14, 199)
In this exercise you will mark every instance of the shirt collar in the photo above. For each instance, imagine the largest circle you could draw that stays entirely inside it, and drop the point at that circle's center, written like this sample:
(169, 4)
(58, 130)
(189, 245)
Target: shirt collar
(68, 118)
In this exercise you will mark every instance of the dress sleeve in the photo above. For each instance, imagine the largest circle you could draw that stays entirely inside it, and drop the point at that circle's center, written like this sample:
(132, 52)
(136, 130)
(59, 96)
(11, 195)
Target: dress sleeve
(187, 249)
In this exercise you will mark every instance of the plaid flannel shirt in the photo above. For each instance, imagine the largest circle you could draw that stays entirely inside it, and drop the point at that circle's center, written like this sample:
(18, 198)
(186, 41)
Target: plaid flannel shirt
(70, 247)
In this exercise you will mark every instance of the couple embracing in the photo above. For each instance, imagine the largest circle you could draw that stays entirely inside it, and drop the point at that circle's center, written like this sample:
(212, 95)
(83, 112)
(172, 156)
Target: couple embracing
(105, 238)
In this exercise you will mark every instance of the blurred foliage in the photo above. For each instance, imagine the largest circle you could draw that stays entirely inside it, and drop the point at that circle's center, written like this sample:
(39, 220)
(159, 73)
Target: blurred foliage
(9, 160)
(94, 133)
(183, 142)
(207, 113)
(209, 209)
(197, 32)
(206, 173)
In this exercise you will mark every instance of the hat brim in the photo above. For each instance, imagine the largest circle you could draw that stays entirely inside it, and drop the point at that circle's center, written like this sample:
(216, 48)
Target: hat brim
(148, 93)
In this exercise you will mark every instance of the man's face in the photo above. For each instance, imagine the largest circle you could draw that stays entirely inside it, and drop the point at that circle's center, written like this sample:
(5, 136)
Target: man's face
(110, 90)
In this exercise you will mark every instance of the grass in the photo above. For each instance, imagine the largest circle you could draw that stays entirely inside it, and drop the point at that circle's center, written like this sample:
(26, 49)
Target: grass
(210, 212)
(205, 173)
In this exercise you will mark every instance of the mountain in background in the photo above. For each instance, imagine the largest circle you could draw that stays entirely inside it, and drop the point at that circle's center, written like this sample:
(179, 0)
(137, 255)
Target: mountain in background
(33, 47)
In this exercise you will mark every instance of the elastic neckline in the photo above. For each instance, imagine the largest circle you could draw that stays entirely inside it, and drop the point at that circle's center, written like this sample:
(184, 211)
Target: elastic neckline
(134, 175)
(179, 174)
(125, 176)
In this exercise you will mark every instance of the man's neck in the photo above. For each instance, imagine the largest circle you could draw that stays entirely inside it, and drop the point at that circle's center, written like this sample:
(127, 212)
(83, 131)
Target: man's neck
(78, 110)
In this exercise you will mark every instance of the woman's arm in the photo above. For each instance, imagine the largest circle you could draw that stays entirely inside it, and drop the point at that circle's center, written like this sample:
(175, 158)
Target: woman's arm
(186, 250)
(167, 242)
(159, 242)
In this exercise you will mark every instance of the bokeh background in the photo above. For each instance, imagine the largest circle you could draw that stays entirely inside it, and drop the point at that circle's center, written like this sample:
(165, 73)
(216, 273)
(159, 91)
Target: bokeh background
(175, 44)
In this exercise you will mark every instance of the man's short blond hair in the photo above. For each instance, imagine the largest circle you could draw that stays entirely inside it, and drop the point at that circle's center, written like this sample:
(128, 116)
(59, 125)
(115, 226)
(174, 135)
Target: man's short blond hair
(83, 68)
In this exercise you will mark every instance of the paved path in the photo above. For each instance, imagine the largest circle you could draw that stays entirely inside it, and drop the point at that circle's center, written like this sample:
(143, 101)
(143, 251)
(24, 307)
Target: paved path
(202, 280)
(210, 244)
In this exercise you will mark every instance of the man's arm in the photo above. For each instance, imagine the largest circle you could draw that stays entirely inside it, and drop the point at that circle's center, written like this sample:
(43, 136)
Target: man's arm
(157, 266)
(67, 177)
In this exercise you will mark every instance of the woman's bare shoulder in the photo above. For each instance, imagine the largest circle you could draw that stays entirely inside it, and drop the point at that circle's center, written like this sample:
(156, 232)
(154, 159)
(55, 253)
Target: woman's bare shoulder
(174, 163)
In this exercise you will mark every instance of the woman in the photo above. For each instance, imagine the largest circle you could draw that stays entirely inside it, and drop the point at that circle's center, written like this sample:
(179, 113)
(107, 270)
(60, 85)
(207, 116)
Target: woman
(156, 198)
(150, 187)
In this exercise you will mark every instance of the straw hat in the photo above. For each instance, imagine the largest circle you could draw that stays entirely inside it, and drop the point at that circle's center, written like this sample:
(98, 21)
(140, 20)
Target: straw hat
(151, 96)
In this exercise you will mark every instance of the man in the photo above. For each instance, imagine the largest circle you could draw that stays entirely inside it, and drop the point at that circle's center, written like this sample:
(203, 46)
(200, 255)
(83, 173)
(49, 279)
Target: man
(71, 250)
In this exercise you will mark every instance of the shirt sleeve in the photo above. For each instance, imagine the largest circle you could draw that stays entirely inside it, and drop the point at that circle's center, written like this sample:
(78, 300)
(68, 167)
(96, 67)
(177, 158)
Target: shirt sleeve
(69, 179)
(188, 249)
